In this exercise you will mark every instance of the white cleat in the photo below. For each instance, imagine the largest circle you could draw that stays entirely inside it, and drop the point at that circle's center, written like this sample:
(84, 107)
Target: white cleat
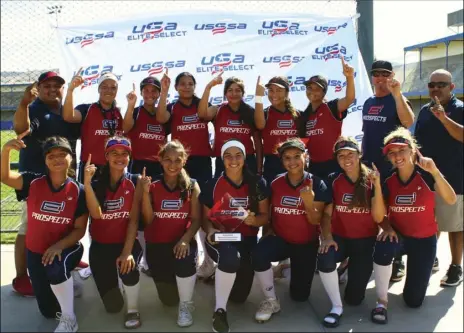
(266, 309)
(67, 323)
(184, 317)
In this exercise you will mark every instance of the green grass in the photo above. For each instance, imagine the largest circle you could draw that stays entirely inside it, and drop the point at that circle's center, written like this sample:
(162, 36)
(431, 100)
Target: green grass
(10, 207)
(8, 237)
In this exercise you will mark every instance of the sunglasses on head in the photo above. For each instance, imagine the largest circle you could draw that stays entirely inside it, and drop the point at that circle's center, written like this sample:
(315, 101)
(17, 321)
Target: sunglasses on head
(381, 73)
(440, 85)
(117, 142)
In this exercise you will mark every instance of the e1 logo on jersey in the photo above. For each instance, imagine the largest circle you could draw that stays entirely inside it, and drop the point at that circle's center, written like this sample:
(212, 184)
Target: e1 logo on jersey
(281, 27)
(89, 38)
(92, 73)
(157, 29)
(157, 67)
(223, 62)
(220, 28)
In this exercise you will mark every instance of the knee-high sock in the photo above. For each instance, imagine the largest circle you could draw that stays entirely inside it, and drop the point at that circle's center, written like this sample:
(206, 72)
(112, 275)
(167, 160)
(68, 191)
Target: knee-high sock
(143, 245)
(132, 297)
(330, 282)
(64, 293)
(382, 276)
(223, 285)
(185, 287)
(266, 281)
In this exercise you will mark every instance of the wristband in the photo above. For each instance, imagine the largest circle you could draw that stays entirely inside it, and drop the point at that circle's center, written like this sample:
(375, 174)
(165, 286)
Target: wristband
(259, 99)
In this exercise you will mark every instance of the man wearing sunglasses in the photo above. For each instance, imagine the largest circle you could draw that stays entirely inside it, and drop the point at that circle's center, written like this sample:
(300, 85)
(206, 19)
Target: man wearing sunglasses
(383, 113)
(439, 130)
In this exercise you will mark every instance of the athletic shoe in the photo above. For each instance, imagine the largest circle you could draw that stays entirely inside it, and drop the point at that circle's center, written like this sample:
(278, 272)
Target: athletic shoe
(220, 324)
(82, 265)
(436, 266)
(342, 272)
(184, 317)
(453, 276)
(266, 309)
(67, 323)
(397, 271)
(22, 285)
(206, 270)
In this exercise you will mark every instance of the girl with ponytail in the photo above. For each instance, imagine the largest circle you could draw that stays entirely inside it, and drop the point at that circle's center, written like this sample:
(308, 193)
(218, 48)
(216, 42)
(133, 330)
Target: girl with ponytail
(277, 123)
(349, 227)
(172, 215)
(235, 188)
(113, 200)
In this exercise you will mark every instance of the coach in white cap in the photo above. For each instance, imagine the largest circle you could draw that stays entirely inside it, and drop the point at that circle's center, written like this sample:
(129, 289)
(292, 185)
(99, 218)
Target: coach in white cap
(98, 120)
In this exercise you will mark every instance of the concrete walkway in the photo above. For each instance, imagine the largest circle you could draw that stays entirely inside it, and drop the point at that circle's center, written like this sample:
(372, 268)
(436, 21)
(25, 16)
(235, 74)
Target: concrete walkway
(442, 310)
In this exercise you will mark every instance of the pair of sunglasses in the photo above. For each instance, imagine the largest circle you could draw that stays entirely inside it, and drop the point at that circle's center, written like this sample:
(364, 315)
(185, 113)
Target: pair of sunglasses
(380, 73)
(117, 142)
(440, 85)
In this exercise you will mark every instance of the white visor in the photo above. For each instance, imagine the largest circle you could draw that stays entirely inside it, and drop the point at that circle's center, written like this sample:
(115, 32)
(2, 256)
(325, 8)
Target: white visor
(232, 143)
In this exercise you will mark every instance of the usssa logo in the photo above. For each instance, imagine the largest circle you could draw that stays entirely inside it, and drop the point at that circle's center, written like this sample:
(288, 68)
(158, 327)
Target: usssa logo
(329, 30)
(190, 119)
(92, 73)
(285, 123)
(223, 62)
(238, 202)
(335, 51)
(347, 198)
(52, 207)
(220, 28)
(171, 204)
(281, 27)
(289, 201)
(405, 200)
(283, 61)
(155, 30)
(89, 39)
(154, 128)
(157, 67)
(112, 205)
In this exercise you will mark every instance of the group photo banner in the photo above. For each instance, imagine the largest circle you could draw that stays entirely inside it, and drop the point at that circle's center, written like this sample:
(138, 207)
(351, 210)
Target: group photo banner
(206, 43)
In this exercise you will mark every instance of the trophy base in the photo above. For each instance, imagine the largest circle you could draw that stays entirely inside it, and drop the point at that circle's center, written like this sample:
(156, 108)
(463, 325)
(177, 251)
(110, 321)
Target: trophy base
(227, 237)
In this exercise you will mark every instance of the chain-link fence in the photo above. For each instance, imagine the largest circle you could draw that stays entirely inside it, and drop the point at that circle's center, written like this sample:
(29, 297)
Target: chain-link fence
(29, 46)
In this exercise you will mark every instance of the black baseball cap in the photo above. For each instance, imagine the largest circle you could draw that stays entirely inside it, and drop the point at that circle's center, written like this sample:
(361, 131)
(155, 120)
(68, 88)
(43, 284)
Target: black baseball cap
(293, 143)
(279, 81)
(151, 80)
(346, 144)
(50, 75)
(319, 80)
(56, 142)
(382, 65)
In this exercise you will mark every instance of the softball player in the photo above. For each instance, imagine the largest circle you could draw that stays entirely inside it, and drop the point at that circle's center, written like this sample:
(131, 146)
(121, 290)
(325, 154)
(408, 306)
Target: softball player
(57, 218)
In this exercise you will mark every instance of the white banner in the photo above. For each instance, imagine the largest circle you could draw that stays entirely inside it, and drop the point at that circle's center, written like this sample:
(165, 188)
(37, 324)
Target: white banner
(243, 45)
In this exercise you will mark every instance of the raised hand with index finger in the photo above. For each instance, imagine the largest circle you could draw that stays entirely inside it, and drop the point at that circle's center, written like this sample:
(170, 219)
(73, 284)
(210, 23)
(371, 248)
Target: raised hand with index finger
(374, 175)
(348, 70)
(216, 81)
(76, 81)
(165, 82)
(89, 171)
(146, 181)
(18, 143)
(132, 96)
(437, 109)
(30, 94)
(260, 89)
(426, 163)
